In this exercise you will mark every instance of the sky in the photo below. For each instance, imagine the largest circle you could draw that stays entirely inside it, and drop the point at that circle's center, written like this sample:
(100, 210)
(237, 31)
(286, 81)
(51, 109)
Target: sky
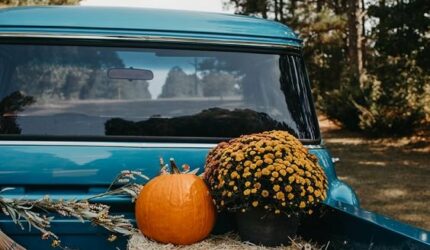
(196, 5)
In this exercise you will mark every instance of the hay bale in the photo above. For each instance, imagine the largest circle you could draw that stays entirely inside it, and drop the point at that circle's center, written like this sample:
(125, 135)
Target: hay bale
(216, 242)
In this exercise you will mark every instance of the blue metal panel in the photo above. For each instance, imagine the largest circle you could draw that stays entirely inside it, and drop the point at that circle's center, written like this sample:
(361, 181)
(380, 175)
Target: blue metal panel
(139, 21)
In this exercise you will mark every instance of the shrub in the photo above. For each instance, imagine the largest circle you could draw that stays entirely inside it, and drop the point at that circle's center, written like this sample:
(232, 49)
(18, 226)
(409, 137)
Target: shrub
(394, 99)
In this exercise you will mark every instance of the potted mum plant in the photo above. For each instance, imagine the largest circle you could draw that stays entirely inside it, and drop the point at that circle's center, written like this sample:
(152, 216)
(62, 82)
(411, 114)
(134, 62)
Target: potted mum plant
(268, 180)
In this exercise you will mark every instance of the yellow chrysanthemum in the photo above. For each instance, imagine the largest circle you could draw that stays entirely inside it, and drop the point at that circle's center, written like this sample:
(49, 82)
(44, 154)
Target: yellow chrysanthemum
(291, 179)
(265, 171)
(302, 204)
(268, 160)
(259, 163)
(265, 193)
(280, 196)
(283, 172)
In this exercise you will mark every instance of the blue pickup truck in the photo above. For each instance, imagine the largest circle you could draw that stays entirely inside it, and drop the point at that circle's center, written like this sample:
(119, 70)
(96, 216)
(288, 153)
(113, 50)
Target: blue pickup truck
(86, 92)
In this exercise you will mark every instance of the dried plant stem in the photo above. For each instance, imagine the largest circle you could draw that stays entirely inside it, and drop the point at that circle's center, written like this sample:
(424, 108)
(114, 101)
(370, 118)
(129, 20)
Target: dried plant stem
(34, 212)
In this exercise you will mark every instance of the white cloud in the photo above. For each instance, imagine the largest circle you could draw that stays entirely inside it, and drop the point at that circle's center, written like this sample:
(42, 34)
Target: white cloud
(196, 5)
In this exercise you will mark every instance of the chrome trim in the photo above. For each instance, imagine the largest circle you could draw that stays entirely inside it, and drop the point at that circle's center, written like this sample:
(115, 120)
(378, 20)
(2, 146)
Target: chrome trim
(108, 144)
(119, 144)
(150, 38)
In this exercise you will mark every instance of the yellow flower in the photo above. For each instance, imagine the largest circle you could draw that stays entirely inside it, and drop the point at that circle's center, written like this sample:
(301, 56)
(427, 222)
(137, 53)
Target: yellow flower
(247, 184)
(290, 170)
(310, 212)
(301, 172)
(259, 163)
(269, 156)
(257, 185)
(239, 157)
(252, 152)
(234, 188)
(275, 174)
(234, 174)
(231, 183)
(291, 179)
(265, 171)
(317, 193)
(278, 154)
(245, 175)
(247, 192)
(257, 174)
(254, 190)
(310, 198)
(265, 193)
(310, 189)
(288, 188)
(277, 211)
(255, 203)
(276, 188)
(280, 196)
(290, 196)
(283, 172)
(302, 204)
(268, 160)
(253, 166)
(247, 163)
(229, 194)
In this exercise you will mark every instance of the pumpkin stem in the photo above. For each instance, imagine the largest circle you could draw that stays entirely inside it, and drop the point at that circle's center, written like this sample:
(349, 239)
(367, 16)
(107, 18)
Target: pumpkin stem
(173, 168)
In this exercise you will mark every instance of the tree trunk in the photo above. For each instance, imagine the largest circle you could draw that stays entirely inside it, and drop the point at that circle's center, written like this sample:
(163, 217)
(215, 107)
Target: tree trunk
(276, 9)
(355, 36)
(264, 9)
(281, 10)
(293, 7)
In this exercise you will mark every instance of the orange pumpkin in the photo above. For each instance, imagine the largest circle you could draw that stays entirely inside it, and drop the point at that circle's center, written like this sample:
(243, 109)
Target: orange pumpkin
(175, 208)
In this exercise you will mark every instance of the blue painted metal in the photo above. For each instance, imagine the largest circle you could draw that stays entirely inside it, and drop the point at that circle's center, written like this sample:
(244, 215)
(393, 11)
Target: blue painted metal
(141, 22)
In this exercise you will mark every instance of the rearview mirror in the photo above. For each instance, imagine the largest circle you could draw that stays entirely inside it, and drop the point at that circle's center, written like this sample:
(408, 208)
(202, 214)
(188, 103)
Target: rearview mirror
(130, 74)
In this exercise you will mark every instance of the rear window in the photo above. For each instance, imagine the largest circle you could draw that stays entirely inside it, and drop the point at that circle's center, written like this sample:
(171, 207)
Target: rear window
(114, 91)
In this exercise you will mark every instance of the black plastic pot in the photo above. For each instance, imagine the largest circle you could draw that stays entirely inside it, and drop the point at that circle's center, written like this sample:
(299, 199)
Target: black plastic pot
(266, 228)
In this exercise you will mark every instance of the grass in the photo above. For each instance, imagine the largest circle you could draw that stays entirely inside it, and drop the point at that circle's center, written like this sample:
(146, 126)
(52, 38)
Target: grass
(391, 176)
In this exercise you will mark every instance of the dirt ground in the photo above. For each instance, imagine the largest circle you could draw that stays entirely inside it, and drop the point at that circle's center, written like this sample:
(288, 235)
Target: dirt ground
(391, 176)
